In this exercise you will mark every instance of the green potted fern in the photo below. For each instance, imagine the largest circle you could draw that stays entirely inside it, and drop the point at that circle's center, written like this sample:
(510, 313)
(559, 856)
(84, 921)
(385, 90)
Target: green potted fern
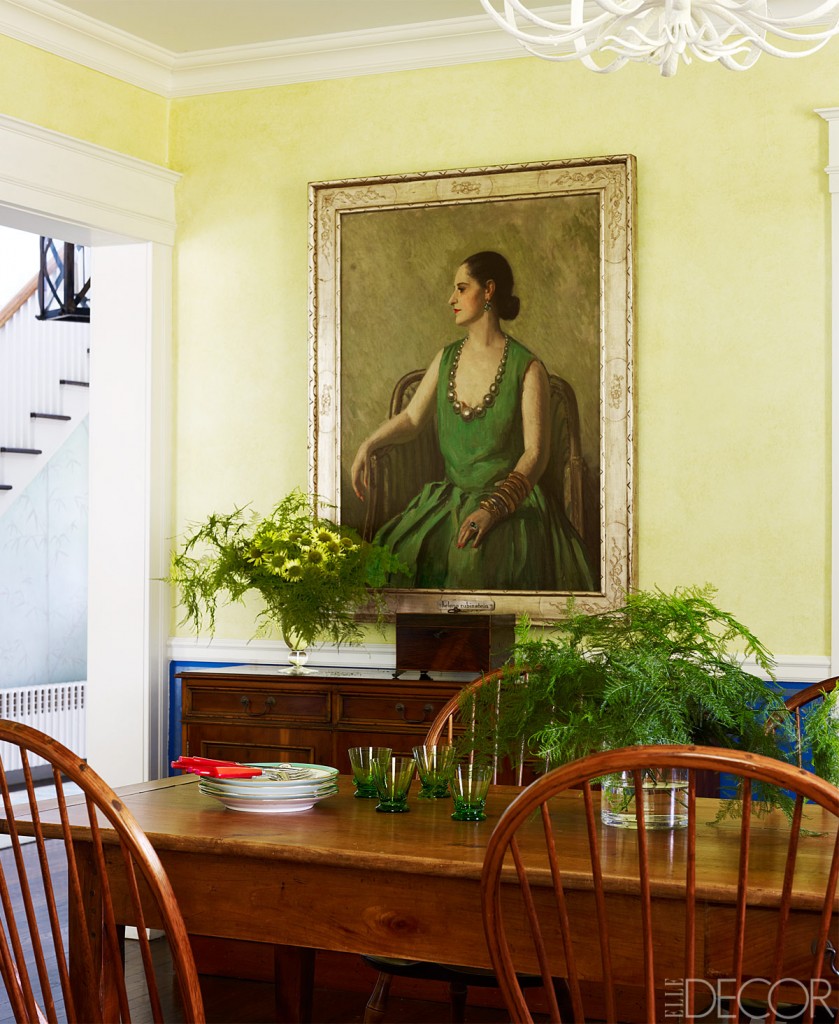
(662, 668)
(312, 575)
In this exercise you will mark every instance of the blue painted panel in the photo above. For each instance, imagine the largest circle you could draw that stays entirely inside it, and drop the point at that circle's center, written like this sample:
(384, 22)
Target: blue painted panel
(176, 700)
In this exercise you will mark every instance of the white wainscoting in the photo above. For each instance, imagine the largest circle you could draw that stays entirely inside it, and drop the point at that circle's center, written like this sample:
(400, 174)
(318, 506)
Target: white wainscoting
(795, 668)
(274, 652)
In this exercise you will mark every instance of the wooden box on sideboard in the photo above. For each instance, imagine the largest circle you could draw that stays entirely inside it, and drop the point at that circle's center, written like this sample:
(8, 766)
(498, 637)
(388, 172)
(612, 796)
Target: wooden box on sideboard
(453, 643)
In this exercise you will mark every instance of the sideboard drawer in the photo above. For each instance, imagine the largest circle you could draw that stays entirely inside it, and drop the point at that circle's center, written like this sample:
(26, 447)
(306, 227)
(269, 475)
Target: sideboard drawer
(245, 713)
(264, 703)
(415, 710)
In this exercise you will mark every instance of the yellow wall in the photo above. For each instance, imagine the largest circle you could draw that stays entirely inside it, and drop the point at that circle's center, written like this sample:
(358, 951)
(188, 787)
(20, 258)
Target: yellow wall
(45, 90)
(732, 340)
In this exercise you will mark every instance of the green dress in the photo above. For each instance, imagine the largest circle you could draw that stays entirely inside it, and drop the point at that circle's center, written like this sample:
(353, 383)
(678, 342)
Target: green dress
(535, 548)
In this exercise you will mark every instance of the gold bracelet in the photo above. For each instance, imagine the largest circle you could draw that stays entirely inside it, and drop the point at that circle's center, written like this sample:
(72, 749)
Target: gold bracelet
(507, 496)
(514, 489)
(522, 480)
(495, 506)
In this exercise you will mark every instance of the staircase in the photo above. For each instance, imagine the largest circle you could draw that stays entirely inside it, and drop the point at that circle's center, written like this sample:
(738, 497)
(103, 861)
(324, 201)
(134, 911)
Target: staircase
(44, 381)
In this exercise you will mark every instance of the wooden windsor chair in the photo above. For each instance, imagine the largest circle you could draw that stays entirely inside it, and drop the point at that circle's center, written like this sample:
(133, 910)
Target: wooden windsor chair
(454, 718)
(798, 702)
(546, 886)
(444, 729)
(34, 953)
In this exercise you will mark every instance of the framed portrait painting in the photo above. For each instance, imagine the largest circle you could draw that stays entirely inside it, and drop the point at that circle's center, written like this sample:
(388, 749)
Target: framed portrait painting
(384, 254)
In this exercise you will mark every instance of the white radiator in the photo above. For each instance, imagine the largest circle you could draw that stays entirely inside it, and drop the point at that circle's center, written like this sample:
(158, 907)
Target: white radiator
(58, 709)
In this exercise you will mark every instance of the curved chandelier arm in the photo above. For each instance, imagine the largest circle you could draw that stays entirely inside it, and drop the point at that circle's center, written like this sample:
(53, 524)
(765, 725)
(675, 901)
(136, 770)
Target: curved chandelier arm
(664, 32)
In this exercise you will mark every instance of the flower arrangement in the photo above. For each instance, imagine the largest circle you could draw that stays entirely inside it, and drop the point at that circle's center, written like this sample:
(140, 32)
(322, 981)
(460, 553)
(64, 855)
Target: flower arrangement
(312, 574)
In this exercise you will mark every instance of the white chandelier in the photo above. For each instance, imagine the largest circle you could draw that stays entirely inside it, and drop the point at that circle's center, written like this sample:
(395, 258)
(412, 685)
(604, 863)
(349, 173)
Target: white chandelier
(605, 34)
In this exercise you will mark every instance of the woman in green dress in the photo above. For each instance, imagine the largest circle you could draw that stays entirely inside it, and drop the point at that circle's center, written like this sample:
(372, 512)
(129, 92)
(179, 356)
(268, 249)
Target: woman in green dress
(488, 525)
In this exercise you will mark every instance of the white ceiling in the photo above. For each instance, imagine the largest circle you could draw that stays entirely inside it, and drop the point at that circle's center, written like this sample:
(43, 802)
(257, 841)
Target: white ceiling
(184, 26)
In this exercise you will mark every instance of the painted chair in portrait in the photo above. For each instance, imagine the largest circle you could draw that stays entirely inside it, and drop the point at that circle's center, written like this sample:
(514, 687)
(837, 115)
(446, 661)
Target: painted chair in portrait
(398, 472)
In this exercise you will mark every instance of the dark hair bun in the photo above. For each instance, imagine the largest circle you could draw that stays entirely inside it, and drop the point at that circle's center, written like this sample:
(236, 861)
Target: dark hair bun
(510, 309)
(492, 266)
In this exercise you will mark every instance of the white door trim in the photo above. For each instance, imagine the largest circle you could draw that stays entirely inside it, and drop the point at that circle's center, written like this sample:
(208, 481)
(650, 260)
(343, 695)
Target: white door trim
(54, 184)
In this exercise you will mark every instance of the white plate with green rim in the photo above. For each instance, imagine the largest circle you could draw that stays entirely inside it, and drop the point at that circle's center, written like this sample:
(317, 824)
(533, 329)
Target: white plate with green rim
(287, 805)
(216, 787)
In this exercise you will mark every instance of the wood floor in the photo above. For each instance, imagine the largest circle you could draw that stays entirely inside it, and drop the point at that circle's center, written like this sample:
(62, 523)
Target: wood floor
(342, 985)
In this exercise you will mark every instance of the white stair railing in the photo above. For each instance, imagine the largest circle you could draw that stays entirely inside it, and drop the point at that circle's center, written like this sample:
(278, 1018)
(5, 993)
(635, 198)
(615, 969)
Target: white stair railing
(44, 371)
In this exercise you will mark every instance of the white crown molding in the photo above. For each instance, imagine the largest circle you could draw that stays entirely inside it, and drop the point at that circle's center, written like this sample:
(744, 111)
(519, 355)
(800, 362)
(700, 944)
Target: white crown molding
(88, 42)
(342, 55)
(790, 668)
(95, 45)
(373, 51)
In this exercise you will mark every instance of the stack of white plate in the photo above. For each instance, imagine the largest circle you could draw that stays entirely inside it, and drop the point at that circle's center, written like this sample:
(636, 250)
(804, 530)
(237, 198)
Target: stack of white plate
(283, 787)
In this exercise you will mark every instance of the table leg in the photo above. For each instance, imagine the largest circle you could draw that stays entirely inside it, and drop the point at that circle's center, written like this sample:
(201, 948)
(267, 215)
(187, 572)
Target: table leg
(294, 979)
(86, 918)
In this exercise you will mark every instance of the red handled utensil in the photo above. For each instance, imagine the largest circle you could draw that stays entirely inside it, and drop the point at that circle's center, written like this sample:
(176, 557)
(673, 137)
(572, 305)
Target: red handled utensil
(214, 769)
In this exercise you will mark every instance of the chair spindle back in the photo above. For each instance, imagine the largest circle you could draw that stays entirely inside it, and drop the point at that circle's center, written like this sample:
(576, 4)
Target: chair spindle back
(531, 890)
(39, 935)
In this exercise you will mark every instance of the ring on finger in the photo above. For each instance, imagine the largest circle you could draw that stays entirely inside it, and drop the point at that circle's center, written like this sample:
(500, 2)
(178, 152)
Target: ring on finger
(473, 526)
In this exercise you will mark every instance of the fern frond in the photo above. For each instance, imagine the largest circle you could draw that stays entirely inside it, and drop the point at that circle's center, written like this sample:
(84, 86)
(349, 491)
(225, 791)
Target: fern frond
(663, 668)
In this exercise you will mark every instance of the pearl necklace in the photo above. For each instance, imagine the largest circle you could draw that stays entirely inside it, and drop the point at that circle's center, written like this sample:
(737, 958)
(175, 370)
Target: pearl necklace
(467, 412)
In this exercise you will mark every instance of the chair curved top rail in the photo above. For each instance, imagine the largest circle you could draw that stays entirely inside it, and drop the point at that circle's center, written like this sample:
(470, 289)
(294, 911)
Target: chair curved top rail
(442, 729)
(811, 693)
(444, 722)
(717, 759)
(799, 701)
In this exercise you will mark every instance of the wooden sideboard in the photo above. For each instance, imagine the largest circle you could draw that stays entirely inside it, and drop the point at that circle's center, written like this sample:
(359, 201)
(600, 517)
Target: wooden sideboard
(254, 713)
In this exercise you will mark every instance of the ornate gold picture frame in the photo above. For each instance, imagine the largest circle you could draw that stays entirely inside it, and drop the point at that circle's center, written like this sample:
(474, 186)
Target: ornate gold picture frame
(383, 254)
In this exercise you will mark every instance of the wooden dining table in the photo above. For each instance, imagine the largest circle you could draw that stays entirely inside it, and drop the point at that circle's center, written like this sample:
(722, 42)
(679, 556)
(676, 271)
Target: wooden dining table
(342, 877)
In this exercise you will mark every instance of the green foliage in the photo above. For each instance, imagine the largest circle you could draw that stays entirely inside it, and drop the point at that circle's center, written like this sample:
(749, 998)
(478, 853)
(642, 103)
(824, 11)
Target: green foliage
(311, 574)
(659, 669)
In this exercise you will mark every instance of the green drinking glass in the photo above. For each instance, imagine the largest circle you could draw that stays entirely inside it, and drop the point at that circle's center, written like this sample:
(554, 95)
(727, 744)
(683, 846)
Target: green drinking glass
(434, 767)
(470, 785)
(393, 781)
(362, 760)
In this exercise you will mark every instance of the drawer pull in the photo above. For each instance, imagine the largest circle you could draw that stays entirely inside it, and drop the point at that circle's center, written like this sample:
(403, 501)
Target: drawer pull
(426, 711)
(269, 703)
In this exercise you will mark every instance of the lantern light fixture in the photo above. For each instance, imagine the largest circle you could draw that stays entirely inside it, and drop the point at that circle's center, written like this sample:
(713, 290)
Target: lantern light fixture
(606, 34)
(63, 282)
